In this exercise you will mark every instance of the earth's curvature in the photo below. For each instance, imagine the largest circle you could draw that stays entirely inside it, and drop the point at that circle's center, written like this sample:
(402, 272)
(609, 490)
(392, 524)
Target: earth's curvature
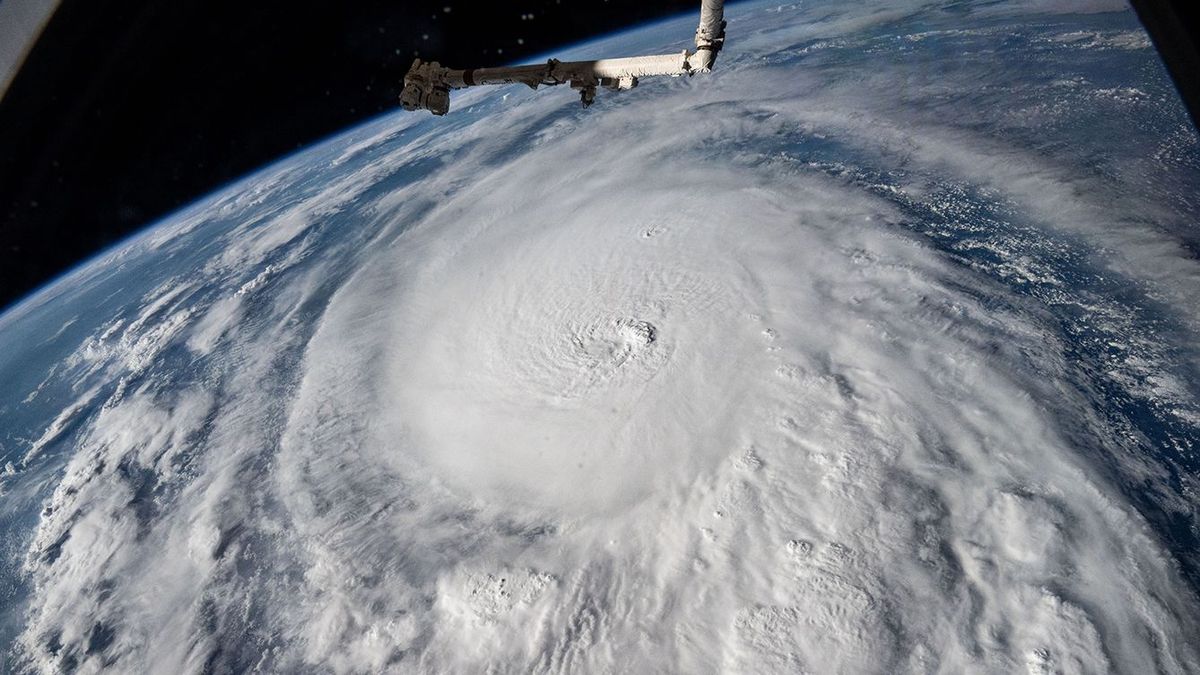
(876, 350)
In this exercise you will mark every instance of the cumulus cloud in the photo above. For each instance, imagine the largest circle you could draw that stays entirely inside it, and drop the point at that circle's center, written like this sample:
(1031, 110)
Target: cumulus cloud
(773, 370)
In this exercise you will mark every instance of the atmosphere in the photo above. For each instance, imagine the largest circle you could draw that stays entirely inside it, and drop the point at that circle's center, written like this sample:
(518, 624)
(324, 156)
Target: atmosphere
(834, 338)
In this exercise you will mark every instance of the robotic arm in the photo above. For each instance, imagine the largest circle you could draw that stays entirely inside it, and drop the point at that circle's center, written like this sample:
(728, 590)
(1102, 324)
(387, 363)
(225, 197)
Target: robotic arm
(427, 85)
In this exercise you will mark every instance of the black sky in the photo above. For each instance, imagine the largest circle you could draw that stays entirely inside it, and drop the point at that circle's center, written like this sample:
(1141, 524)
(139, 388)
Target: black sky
(128, 109)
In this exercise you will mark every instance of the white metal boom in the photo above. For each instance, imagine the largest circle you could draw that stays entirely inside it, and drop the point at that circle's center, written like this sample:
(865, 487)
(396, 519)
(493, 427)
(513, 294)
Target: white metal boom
(427, 85)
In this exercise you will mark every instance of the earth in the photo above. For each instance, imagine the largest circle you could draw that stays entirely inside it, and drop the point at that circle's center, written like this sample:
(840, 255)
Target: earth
(877, 350)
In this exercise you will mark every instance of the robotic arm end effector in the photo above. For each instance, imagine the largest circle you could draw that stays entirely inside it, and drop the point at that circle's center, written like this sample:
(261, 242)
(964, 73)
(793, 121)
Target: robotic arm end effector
(425, 88)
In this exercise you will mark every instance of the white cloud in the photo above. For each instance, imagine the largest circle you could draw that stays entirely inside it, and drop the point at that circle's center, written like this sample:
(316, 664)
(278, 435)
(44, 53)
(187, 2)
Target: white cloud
(675, 384)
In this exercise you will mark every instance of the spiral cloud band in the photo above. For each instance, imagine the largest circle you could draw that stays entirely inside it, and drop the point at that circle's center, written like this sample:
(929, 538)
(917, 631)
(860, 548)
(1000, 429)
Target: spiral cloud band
(786, 370)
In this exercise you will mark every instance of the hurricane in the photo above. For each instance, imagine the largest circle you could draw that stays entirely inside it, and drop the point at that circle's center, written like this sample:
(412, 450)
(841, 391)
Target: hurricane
(874, 351)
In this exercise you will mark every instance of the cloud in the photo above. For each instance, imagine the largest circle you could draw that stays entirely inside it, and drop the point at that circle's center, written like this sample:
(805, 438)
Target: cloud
(770, 370)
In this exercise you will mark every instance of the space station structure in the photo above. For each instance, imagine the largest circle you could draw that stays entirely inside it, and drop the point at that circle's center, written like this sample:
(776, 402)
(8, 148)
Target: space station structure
(427, 85)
